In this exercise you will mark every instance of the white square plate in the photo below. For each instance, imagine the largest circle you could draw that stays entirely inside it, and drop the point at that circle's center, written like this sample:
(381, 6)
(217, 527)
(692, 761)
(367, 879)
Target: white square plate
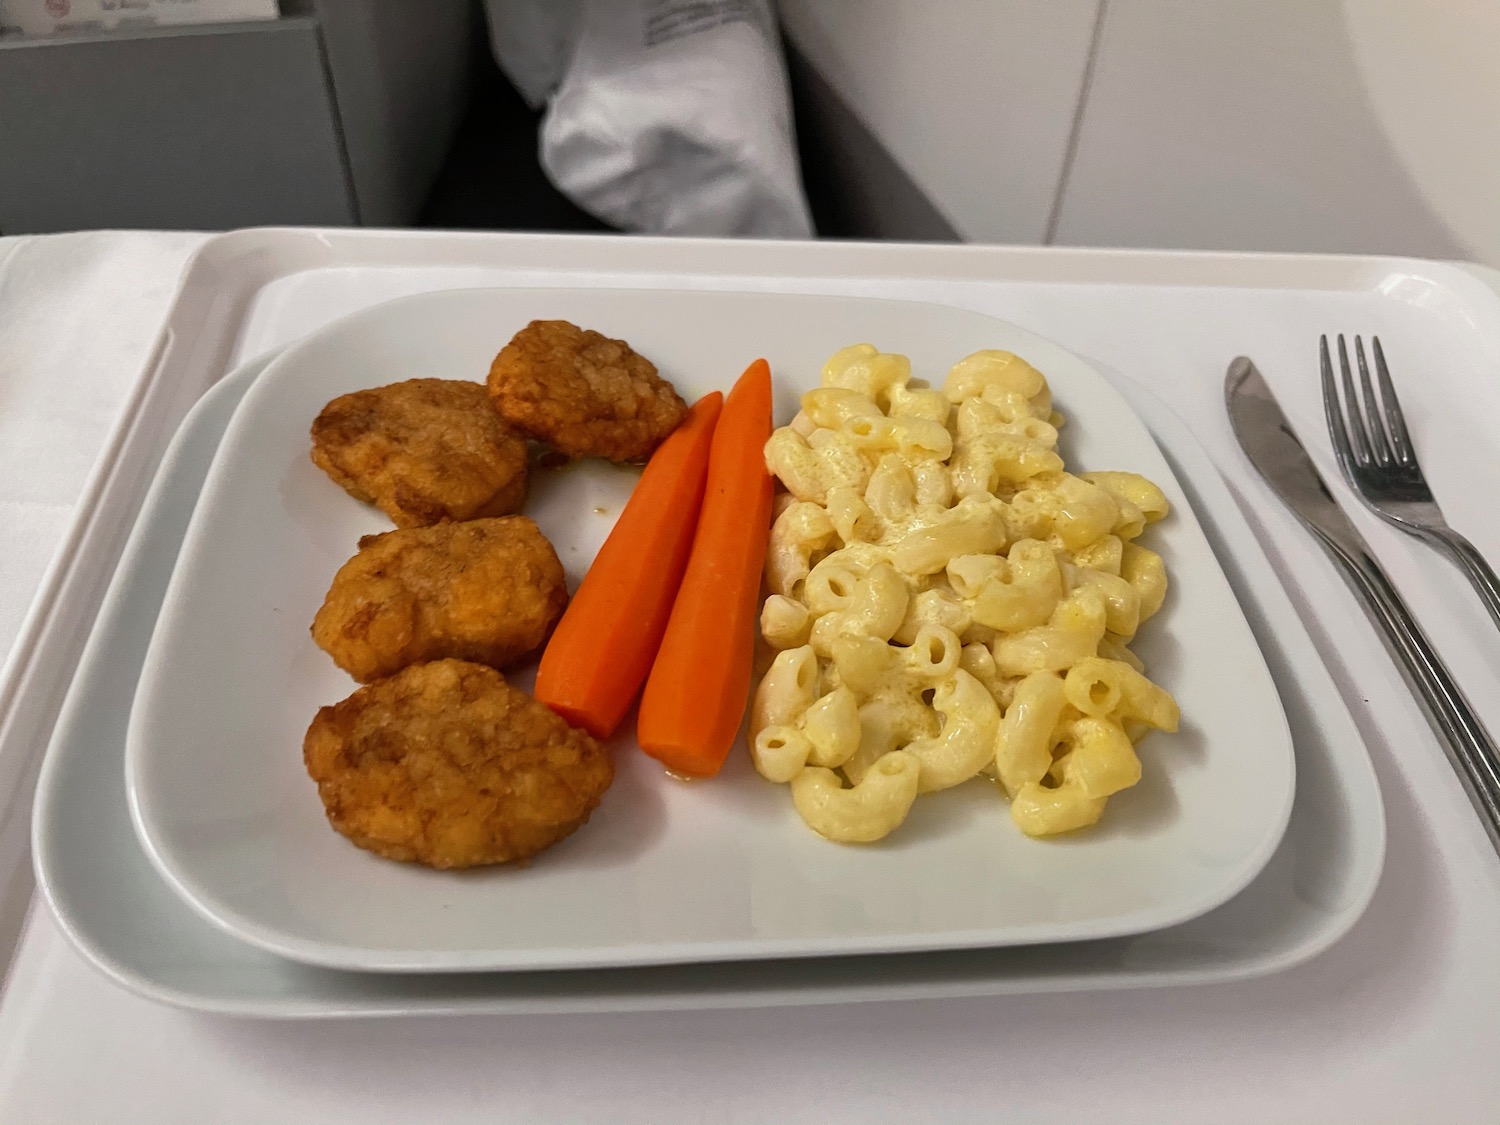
(664, 872)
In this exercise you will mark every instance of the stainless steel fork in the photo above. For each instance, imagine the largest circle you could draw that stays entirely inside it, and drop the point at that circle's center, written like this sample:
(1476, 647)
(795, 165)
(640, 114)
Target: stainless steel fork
(1376, 455)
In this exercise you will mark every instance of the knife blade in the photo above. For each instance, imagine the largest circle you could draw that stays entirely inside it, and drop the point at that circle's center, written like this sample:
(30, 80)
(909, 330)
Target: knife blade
(1280, 457)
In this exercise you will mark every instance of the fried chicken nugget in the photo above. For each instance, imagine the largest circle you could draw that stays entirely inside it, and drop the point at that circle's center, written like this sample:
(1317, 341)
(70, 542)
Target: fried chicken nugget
(422, 451)
(484, 590)
(447, 765)
(582, 392)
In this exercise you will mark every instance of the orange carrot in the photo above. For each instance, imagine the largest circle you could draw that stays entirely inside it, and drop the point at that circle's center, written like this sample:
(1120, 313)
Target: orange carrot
(696, 693)
(602, 649)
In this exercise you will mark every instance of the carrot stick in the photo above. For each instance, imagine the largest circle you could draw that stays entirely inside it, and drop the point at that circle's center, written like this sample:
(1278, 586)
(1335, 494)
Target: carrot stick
(602, 649)
(696, 693)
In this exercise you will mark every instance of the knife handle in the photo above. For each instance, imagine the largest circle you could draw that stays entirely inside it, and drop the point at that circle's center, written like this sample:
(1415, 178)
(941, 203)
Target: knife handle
(1467, 743)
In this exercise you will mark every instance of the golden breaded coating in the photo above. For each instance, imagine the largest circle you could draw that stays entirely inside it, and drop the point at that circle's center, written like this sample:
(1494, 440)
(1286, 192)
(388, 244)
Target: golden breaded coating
(422, 451)
(448, 765)
(584, 393)
(484, 590)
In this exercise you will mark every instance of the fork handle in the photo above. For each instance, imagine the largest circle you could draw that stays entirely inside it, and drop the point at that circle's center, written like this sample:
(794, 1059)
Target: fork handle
(1470, 749)
(1472, 563)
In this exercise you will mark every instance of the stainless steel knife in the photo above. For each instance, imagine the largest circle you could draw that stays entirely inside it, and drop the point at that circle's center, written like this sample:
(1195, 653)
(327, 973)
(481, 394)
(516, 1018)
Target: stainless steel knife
(1277, 454)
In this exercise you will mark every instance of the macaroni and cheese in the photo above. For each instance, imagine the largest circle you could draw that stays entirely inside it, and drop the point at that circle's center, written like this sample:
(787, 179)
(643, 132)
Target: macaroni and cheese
(947, 601)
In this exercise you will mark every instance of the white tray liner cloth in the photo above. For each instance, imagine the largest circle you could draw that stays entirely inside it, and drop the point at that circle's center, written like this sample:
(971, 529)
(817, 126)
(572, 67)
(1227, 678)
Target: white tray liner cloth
(78, 316)
(1397, 1023)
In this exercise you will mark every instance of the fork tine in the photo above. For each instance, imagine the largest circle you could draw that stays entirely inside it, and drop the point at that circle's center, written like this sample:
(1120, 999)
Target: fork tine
(1395, 421)
(1336, 428)
(1360, 439)
(1381, 447)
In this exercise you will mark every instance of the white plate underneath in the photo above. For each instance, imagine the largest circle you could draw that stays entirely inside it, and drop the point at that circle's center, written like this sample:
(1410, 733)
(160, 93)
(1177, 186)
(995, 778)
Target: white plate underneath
(119, 914)
(664, 872)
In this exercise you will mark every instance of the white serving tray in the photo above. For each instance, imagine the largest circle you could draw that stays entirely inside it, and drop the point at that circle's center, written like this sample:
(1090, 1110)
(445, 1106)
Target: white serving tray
(118, 912)
(1172, 319)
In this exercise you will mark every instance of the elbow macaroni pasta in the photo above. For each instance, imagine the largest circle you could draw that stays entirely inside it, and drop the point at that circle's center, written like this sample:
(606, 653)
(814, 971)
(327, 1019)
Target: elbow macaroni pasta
(947, 601)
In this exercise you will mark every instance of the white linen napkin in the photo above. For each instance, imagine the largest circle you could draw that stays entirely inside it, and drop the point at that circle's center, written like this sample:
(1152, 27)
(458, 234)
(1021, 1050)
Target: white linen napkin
(78, 316)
